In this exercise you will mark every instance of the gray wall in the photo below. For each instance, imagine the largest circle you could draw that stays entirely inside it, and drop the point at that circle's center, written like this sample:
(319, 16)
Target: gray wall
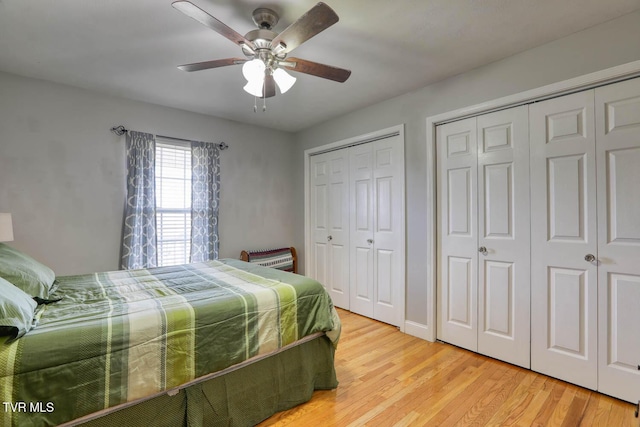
(612, 43)
(62, 173)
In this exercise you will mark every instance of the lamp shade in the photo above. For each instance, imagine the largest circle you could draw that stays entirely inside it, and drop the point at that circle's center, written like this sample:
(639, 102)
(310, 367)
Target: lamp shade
(253, 70)
(254, 87)
(283, 79)
(6, 227)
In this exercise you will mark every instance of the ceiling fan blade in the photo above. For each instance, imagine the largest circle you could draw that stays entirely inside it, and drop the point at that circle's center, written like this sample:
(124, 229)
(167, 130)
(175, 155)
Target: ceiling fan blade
(269, 86)
(317, 19)
(316, 69)
(193, 11)
(197, 66)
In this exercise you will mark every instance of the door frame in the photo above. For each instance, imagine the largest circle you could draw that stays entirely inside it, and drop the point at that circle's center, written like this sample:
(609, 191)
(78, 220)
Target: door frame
(397, 130)
(587, 81)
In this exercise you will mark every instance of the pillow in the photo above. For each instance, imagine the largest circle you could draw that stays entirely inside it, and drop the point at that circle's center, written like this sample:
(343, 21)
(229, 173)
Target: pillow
(16, 311)
(25, 272)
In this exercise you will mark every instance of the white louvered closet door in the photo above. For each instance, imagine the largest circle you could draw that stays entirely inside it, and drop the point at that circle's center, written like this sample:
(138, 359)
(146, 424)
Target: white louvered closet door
(563, 233)
(618, 183)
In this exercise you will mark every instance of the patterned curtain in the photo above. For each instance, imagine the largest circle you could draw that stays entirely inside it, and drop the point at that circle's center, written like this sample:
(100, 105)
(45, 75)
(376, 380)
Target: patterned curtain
(139, 230)
(205, 197)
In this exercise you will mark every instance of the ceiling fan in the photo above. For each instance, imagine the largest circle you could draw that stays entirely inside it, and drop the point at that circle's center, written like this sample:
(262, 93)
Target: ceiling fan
(266, 51)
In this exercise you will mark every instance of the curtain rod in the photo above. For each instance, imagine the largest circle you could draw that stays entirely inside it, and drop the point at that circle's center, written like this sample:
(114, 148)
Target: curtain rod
(121, 130)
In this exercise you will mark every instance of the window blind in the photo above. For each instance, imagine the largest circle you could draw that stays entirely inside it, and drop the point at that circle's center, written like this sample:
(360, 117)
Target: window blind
(173, 203)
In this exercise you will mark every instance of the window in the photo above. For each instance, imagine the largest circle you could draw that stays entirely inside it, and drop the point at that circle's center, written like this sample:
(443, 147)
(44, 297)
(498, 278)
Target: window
(161, 227)
(173, 203)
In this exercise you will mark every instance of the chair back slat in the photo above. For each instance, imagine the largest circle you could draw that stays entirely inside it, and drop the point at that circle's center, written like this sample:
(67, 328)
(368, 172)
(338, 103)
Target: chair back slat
(280, 258)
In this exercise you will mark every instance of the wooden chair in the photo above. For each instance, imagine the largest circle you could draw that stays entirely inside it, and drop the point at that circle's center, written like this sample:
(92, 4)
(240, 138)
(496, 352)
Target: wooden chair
(282, 258)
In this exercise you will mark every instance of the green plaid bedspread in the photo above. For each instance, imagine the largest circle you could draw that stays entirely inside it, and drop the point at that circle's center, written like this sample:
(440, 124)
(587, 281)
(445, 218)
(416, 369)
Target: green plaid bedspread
(119, 336)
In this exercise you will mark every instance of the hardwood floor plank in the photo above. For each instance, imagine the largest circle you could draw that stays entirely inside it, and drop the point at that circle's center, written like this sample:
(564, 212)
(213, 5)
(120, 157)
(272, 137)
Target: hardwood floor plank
(456, 410)
(521, 403)
(561, 409)
(417, 393)
(516, 398)
(481, 401)
(392, 379)
(620, 416)
(577, 408)
(488, 408)
(601, 416)
(408, 420)
(550, 404)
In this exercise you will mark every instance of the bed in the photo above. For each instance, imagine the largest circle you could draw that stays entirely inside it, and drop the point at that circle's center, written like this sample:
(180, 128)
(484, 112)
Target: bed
(217, 343)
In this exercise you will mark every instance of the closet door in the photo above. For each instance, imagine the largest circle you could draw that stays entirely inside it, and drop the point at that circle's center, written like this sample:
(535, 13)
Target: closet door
(484, 273)
(457, 233)
(377, 230)
(618, 257)
(563, 237)
(503, 236)
(362, 229)
(388, 233)
(330, 223)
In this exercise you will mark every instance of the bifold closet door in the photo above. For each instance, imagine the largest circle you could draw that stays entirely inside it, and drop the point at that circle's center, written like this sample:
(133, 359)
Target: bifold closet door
(458, 233)
(618, 183)
(483, 234)
(563, 239)
(377, 229)
(503, 236)
(330, 223)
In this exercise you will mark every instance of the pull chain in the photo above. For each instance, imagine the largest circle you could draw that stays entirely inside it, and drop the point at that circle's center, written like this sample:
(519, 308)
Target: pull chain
(264, 95)
(255, 99)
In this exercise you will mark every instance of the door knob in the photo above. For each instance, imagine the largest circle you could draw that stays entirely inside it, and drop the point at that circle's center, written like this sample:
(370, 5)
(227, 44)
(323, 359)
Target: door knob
(369, 241)
(589, 257)
(482, 250)
(329, 238)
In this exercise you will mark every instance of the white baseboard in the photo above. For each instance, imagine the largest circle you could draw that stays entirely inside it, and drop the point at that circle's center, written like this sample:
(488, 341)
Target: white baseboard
(418, 330)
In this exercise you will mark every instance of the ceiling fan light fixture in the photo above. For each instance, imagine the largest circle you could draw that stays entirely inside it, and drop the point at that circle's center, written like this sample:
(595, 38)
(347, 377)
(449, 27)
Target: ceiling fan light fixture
(253, 70)
(283, 79)
(255, 87)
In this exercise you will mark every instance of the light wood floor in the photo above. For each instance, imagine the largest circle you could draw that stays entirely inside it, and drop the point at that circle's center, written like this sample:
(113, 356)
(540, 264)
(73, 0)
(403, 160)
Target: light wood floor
(392, 379)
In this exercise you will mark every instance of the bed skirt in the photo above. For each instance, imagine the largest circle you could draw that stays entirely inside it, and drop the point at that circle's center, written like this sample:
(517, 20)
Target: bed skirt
(240, 397)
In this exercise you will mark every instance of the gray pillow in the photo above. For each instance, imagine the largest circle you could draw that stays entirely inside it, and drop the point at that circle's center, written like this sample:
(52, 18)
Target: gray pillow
(25, 272)
(16, 311)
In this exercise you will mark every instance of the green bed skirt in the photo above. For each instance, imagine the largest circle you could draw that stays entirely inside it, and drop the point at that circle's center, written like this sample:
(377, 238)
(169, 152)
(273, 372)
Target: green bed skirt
(243, 397)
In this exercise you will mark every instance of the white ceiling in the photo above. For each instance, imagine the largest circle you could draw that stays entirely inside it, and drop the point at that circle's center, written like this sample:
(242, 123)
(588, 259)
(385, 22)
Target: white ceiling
(130, 48)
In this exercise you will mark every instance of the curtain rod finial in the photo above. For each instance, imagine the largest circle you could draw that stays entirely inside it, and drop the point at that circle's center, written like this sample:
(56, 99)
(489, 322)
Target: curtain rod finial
(119, 130)
(223, 146)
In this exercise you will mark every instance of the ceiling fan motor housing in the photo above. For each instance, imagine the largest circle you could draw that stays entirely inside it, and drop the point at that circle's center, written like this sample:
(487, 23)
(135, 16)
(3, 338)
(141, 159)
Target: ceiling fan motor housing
(261, 40)
(265, 18)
